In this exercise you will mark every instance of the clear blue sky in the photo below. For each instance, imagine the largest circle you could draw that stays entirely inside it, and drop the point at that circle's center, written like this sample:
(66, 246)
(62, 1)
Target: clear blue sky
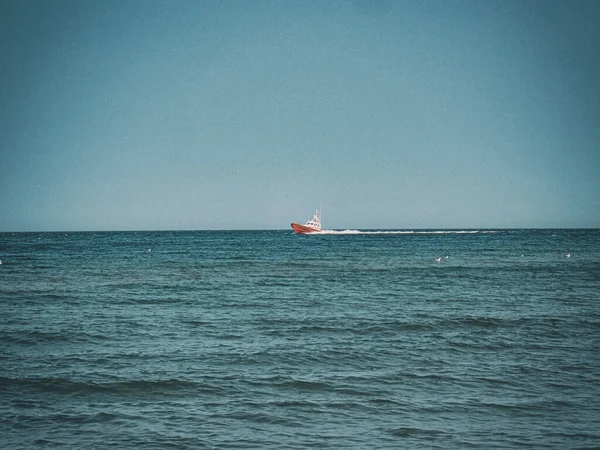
(124, 115)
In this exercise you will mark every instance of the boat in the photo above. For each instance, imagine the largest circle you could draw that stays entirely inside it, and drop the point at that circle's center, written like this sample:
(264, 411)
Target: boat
(312, 226)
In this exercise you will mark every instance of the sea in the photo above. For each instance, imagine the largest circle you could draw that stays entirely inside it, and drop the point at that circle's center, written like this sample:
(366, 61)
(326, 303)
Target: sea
(409, 339)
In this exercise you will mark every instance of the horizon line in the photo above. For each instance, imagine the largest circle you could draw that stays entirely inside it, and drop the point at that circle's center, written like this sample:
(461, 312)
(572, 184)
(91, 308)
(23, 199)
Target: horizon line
(166, 230)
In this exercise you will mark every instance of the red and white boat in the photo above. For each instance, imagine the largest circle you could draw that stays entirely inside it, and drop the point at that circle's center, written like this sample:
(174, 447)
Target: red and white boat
(312, 226)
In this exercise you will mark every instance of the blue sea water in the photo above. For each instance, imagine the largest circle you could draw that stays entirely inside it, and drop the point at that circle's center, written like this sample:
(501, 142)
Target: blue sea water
(266, 339)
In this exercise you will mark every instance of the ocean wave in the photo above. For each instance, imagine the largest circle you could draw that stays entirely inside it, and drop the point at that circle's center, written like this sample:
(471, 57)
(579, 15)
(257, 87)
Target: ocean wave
(33, 337)
(414, 431)
(72, 387)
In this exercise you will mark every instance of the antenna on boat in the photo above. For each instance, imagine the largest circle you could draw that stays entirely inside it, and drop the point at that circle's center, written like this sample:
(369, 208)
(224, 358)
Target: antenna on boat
(321, 213)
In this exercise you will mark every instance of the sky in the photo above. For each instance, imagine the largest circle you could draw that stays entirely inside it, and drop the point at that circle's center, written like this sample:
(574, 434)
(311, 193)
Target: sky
(167, 115)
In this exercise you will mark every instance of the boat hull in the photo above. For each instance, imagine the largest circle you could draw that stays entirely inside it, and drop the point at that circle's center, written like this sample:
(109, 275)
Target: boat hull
(304, 229)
